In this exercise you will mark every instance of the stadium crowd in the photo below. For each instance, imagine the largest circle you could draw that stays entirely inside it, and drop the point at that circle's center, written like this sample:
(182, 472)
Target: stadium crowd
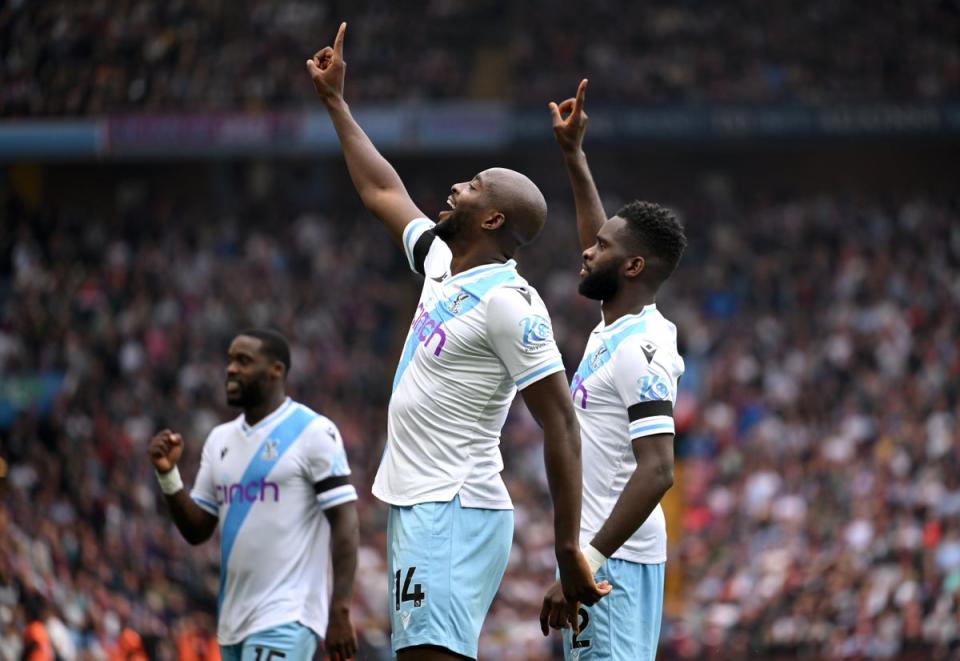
(247, 55)
(818, 440)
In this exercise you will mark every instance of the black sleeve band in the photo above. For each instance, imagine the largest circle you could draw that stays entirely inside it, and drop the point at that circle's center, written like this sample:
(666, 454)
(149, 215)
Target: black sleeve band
(331, 483)
(649, 409)
(421, 248)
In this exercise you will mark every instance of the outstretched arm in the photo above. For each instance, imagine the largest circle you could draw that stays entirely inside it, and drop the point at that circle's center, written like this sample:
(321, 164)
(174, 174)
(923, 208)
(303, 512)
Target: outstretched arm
(378, 184)
(568, 132)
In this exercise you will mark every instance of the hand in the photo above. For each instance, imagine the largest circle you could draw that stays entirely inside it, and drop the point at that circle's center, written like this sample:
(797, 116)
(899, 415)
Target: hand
(164, 450)
(555, 613)
(578, 584)
(341, 640)
(327, 68)
(569, 130)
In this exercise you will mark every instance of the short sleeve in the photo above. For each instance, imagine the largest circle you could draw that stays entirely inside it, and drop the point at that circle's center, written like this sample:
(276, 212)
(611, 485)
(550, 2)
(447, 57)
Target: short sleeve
(520, 333)
(204, 487)
(418, 237)
(646, 385)
(327, 465)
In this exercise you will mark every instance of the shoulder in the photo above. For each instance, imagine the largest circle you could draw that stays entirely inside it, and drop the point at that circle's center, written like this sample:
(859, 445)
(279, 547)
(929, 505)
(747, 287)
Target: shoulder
(321, 431)
(513, 302)
(221, 435)
(515, 294)
(653, 347)
(225, 430)
(314, 421)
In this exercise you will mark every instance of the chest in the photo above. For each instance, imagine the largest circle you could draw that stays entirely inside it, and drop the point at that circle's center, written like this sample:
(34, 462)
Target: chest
(252, 470)
(592, 386)
(448, 324)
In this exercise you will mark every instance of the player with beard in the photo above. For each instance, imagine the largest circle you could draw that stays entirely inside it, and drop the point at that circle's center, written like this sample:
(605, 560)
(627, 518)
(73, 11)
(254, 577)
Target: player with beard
(623, 392)
(480, 333)
(276, 479)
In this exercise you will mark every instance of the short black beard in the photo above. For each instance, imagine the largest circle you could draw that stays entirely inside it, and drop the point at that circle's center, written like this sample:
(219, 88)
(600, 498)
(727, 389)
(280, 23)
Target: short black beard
(249, 395)
(450, 227)
(600, 285)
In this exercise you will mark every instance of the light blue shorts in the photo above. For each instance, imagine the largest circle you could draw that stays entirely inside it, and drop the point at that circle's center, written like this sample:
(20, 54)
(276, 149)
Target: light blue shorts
(290, 642)
(444, 564)
(624, 625)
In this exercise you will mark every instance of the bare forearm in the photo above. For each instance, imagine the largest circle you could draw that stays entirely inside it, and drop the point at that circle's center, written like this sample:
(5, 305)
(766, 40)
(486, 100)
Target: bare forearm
(344, 541)
(370, 172)
(561, 455)
(194, 524)
(638, 499)
(590, 213)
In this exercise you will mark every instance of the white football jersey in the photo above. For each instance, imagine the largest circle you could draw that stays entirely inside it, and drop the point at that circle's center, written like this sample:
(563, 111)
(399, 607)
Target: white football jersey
(269, 485)
(624, 389)
(476, 337)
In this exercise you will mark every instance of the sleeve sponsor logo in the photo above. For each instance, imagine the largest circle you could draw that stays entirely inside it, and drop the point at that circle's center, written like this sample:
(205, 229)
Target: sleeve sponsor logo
(536, 332)
(653, 388)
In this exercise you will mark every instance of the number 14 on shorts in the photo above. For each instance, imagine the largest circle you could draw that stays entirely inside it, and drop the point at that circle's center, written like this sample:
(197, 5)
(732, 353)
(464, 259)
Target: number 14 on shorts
(417, 596)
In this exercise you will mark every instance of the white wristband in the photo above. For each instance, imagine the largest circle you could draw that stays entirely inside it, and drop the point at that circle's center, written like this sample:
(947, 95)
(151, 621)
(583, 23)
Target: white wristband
(170, 482)
(594, 558)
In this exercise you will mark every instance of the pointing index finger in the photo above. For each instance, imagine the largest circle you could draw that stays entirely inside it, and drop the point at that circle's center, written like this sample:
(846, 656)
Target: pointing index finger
(338, 42)
(581, 95)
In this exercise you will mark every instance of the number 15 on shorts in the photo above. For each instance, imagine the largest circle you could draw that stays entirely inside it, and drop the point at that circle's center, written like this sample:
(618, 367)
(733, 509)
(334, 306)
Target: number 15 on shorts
(417, 596)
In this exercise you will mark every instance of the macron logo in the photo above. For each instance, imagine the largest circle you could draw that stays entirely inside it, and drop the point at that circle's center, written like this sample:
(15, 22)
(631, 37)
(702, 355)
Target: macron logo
(251, 492)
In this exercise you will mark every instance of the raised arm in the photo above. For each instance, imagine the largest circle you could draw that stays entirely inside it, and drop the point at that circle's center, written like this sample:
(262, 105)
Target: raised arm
(568, 132)
(549, 402)
(195, 524)
(378, 184)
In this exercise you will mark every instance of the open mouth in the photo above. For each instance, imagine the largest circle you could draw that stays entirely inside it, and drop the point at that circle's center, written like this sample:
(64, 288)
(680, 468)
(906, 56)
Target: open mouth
(584, 270)
(232, 387)
(447, 212)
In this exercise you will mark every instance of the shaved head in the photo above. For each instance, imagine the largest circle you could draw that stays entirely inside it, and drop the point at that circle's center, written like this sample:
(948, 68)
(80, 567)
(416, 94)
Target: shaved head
(518, 199)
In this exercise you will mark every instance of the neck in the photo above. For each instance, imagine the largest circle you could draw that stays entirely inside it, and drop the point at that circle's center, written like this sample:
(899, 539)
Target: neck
(256, 413)
(626, 303)
(478, 254)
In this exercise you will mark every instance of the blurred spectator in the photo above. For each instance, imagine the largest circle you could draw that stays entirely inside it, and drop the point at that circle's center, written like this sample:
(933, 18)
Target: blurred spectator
(68, 58)
(819, 450)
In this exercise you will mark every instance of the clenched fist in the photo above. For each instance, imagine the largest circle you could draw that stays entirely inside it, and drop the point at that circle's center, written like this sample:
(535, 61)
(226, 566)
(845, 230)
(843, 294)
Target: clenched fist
(164, 450)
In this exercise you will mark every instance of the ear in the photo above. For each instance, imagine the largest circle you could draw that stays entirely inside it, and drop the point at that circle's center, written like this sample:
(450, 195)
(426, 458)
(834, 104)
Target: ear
(494, 221)
(634, 266)
(277, 369)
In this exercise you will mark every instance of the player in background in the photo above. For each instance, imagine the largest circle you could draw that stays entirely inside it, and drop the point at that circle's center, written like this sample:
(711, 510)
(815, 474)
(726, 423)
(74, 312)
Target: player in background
(276, 479)
(623, 393)
(479, 334)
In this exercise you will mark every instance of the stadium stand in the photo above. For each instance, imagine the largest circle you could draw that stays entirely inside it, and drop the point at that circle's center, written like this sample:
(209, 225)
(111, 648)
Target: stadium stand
(819, 443)
(212, 55)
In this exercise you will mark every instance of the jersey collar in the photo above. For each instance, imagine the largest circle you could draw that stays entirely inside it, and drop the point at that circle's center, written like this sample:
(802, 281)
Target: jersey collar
(626, 319)
(270, 419)
(483, 269)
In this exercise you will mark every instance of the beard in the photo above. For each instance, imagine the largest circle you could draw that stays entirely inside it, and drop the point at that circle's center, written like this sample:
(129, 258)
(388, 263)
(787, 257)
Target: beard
(450, 226)
(601, 284)
(246, 395)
